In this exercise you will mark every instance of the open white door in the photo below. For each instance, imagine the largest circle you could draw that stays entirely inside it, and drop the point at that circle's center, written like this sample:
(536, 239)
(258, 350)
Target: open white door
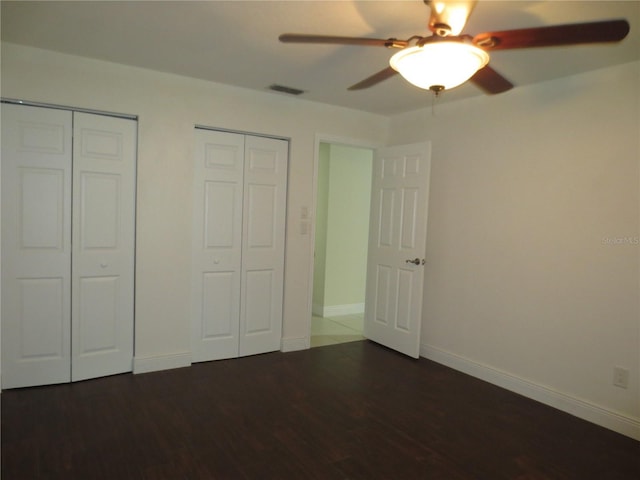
(397, 245)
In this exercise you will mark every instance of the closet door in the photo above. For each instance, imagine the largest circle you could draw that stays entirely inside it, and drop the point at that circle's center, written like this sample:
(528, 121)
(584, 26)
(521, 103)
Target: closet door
(264, 205)
(104, 161)
(68, 187)
(36, 245)
(217, 244)
(238, 249)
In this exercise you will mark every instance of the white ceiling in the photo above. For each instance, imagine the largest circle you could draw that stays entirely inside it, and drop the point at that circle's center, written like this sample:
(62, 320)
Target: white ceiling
(236, 42)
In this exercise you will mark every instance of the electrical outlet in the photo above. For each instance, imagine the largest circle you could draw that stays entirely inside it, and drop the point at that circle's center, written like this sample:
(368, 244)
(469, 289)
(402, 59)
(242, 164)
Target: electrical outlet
(621, 377)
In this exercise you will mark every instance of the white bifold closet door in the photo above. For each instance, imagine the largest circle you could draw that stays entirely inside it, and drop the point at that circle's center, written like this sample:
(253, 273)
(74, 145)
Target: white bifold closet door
(103, 225)
(238, 251)
(68, 203)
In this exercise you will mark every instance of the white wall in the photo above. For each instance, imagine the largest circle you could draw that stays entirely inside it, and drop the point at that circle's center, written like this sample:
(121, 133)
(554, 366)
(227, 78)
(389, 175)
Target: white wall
(532, 277)
(168, 107)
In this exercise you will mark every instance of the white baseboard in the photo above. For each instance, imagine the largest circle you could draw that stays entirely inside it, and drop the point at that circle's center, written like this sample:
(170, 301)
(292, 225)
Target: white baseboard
(161, 362)
(606, 418)
(294, 344)
(337, 310)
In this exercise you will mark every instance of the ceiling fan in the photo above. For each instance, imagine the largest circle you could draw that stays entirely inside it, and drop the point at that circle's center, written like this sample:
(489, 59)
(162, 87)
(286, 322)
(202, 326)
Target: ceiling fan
(448, 58)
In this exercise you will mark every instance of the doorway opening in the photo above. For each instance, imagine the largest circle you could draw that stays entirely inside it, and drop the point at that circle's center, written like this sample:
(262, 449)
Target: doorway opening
(341, 240)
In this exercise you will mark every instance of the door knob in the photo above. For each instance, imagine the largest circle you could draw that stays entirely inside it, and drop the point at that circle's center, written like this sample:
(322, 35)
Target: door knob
(416, 261)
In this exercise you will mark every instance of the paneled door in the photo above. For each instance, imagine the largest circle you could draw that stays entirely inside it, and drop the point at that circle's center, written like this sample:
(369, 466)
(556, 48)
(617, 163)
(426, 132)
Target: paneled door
(68, 186)
(397, 247)
(104, 150)
(238, 247)
(217, 244)
(262, 280)
(36, 246)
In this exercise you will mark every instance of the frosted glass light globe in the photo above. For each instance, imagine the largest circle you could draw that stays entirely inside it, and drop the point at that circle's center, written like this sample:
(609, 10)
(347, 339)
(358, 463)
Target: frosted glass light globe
(437, 65)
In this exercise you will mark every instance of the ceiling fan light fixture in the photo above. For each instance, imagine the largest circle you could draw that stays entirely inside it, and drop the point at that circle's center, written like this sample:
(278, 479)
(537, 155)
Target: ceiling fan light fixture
(445, 64)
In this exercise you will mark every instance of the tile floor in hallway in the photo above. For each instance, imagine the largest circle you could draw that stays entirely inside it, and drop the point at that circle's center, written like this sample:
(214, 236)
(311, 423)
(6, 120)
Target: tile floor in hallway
(333, 330)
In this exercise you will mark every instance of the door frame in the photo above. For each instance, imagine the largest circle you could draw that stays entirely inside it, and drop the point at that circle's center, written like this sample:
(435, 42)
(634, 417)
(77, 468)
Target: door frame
(334, 140)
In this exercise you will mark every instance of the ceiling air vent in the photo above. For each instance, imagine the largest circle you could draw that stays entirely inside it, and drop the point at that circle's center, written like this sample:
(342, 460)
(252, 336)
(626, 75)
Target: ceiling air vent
(284, 89)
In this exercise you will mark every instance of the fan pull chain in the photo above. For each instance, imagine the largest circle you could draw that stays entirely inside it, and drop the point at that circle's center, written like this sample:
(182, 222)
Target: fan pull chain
(434, 102)
(437, 90)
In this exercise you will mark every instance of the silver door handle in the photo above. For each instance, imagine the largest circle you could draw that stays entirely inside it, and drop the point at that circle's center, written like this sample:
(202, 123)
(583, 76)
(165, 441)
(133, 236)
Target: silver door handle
(416, 261)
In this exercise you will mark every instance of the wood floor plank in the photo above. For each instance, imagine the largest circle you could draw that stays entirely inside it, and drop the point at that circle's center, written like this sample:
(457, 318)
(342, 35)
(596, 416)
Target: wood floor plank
(349, 411)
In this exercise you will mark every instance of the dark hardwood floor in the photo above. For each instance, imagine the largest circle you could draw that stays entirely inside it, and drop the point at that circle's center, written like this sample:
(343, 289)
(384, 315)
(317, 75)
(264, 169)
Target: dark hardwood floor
(350, 411)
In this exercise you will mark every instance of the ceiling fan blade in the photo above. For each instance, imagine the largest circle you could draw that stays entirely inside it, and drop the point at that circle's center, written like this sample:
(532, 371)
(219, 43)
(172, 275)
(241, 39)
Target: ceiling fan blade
(448, 17)
(572, 34)
(374, 79)
(490, 81)
(330, 39)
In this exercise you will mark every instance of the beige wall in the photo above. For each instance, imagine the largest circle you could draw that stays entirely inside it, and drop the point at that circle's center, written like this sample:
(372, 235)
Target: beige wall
(168, 107)
(532, 271)
(321, 216)
(349, 199)
(527, 281)
(342, 229)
